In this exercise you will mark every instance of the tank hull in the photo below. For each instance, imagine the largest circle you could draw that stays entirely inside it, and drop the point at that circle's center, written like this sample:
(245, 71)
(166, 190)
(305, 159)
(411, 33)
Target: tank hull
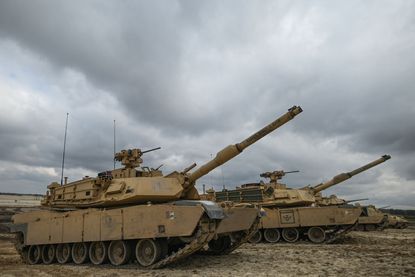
(329, 221)
(372, 223)
(180, 228)
(169, 227)
(309, 216)
(135, 222)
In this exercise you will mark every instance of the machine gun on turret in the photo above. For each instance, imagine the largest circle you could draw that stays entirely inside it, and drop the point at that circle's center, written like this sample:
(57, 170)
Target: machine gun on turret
(131, 158)
(276, 175)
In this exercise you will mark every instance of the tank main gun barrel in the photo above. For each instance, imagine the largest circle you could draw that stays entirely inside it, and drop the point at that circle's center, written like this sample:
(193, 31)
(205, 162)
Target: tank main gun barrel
(232, 151)
(355, 200)
(293, 171)
(150, 150)
(344, 176)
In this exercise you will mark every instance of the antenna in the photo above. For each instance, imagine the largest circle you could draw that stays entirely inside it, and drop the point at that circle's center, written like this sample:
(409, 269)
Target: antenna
(64, 148)
(114, 146)
(223, 178)
(211, 177)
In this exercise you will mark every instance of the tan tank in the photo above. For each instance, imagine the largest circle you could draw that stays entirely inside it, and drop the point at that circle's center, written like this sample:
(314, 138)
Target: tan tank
(371, 219)
(396, 222)
(295, 213)
(277, 194)
(157, 218)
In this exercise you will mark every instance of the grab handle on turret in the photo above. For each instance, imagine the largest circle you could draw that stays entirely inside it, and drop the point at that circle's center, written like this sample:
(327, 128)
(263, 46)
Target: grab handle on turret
(231, 151)
(344, 176)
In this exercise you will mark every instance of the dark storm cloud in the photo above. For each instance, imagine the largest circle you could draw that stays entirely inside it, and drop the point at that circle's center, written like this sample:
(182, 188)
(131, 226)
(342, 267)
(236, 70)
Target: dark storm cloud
(132, 49)
(194, 76)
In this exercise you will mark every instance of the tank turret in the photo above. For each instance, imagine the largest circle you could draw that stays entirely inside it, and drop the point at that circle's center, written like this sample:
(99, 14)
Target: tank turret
(344, 176)
(130, 185)
(333, 200)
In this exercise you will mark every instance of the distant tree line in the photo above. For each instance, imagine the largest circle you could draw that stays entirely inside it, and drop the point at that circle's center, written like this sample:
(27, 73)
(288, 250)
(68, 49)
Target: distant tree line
(20, 194)
(410, 213)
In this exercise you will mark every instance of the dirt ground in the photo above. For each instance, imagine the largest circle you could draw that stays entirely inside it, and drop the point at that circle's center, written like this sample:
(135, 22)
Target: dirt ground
(386, 253)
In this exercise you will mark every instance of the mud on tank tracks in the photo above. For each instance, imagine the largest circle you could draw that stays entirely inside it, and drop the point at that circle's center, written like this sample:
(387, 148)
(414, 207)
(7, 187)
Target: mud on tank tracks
(387, 253)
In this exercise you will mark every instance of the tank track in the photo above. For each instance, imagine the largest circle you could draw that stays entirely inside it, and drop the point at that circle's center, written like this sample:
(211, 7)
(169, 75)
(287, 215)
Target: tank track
(236, 241)
(207, 228)
(340, 232)
(241, 240)
(383, 224)
(19, 248)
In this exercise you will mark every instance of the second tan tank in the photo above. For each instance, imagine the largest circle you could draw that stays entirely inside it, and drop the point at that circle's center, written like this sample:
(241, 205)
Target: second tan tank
(371, 219)
(295, 213)
(396, 222)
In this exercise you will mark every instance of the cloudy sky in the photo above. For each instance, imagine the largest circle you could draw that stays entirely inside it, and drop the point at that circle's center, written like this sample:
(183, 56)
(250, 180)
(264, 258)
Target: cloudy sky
(195, 76)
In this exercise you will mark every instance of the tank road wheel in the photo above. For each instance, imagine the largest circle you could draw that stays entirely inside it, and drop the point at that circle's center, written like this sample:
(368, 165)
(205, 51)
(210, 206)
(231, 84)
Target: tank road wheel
(63, 253)
(34, 254)
(257, 237)
(217, 246)
(316, 234)
(119, 252)
(48, 253)
(98, 252)
(272, 235)
(148, 252)
(79, 252)
(290, 234)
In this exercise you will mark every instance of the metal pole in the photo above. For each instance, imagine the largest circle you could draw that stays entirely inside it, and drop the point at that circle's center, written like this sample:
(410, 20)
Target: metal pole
(64, 148)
